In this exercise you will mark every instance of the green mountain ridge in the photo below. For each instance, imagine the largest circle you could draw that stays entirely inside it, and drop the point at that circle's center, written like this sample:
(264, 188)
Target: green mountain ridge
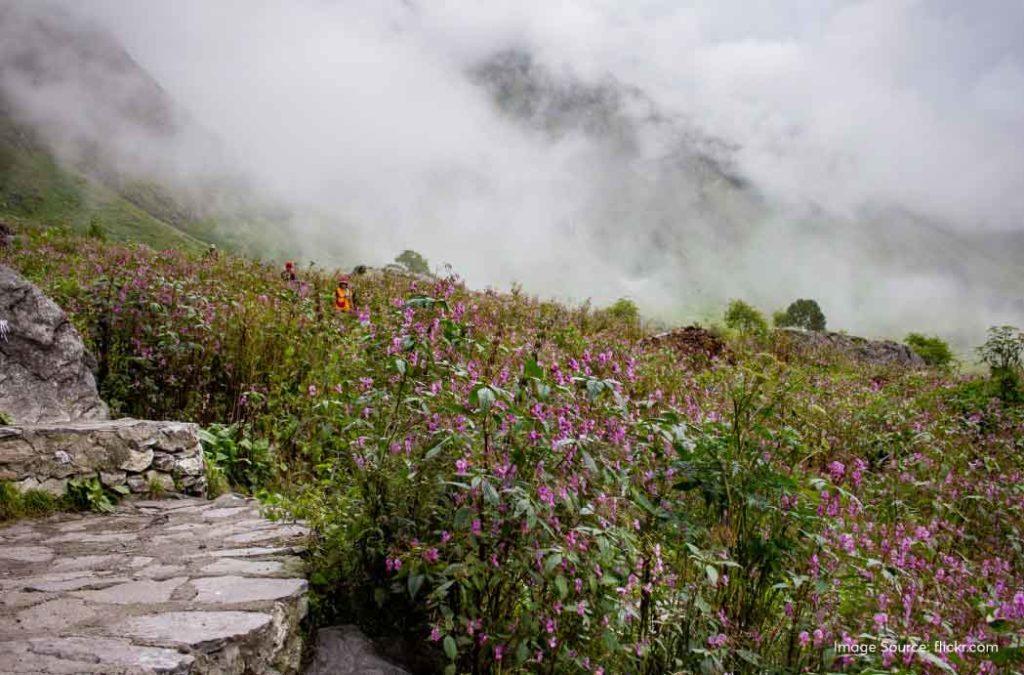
(36, 188)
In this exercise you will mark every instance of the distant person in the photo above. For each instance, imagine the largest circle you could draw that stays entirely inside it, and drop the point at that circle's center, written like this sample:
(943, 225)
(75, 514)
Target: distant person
(343, 296)
(288, 274)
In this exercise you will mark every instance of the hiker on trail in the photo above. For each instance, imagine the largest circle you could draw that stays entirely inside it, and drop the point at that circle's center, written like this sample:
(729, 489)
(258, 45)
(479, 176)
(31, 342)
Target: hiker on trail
(343, 296)
(289, 271)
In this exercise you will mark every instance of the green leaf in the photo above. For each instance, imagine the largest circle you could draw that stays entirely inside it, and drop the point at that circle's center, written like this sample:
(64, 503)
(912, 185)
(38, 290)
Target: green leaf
(1008, 655)
(929, 657)
(552, 562)
(400, 366)
(490, 494)
(533, 369)
(712, 574)
(485, 398)
(450, 649)
(433, 452)
(415, 582)
(561, 586)
(463, 517)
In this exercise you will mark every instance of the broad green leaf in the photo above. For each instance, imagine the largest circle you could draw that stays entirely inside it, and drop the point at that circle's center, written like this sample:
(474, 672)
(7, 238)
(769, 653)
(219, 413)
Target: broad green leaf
(415, 583)
(450, 649)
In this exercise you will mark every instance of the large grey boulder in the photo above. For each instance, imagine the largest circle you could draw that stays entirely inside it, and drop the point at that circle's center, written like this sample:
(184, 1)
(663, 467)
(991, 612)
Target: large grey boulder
(863, 350)
(344, 650)
(45, 371)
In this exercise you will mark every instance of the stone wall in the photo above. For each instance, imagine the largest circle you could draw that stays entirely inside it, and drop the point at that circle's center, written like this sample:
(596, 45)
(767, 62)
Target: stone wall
(133, 453)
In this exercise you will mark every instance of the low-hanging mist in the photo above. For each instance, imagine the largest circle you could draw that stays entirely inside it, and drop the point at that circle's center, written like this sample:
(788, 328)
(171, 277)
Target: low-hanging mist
(867, 154)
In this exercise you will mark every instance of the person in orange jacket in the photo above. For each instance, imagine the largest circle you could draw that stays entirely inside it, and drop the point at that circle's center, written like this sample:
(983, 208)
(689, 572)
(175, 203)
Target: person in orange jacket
(343, 296)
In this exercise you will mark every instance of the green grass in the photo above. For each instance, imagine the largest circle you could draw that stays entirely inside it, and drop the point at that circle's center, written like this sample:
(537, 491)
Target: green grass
(28, 504)
(35, 189)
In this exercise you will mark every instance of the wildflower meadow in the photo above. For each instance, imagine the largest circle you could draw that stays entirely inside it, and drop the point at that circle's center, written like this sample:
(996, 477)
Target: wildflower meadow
(503, 484)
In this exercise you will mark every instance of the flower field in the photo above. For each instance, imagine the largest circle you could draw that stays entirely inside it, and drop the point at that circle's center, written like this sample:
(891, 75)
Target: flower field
(505, 484)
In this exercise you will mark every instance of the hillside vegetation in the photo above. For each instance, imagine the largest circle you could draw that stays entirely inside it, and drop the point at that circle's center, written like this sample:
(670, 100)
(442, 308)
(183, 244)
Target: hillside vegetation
(513, 485)
(36, 188)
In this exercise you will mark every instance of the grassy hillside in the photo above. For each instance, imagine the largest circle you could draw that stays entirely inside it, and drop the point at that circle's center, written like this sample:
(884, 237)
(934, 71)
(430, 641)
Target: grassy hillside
(512, 485)
(34, 188)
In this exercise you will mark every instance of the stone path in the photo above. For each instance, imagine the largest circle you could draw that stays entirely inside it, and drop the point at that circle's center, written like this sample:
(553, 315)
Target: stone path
(167, 586)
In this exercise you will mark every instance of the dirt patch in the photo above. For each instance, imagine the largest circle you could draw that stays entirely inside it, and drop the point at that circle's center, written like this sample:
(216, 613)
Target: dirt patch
(696, 346)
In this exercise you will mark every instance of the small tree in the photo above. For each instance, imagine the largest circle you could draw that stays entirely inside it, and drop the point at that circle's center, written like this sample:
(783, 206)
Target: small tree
(745, 318)
(933, 349)
(1003, 353)
(413, 261)
(801, 314)
(625, 310)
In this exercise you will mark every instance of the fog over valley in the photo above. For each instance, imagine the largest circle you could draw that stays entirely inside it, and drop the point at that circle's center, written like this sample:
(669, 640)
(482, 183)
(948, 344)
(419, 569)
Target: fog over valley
(866, 154)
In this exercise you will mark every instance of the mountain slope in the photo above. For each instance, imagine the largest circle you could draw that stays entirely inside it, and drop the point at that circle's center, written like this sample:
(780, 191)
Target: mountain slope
(36, 188)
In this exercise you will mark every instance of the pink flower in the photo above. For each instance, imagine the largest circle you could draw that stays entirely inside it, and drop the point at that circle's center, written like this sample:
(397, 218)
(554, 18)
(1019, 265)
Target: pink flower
(476, 527)
(804, 638)
(716, 641)
(431, 555)
(880, 620)
(435, 634)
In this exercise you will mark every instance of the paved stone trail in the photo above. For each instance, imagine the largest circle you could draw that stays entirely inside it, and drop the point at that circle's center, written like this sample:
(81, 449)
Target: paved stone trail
(168, 586)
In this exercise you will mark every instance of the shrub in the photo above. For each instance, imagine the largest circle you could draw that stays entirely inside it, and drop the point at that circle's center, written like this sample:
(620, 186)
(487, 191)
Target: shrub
(804, 314)
(234, 458)
(413, 261)
(625, 310)
(745, 318)
(934, 350)
(89, 494)
(1002, 352)
(96, 230)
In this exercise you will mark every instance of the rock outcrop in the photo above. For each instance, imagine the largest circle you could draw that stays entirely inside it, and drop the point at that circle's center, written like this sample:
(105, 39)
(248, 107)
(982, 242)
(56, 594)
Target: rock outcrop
(137, 454)
(45, 371)
(344, 650)
(874, 352)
